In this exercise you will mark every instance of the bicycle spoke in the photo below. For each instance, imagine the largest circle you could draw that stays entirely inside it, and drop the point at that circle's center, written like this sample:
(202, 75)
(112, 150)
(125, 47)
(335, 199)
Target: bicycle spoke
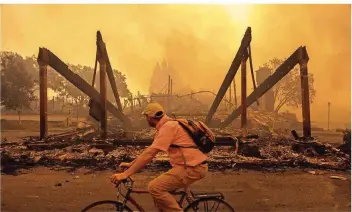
(214, 205)
(217, 206)
(206, 206)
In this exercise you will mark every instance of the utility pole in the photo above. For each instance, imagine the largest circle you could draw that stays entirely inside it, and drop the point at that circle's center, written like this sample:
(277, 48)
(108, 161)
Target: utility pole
(329, 104)
(234, 92)
(168, 94)
(230, 99)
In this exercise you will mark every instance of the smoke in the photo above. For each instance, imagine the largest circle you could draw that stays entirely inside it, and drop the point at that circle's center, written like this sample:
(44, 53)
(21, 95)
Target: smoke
(199, 41)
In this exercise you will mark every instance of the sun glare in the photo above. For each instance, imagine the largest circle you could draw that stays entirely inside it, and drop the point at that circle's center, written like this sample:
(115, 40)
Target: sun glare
(239, 13)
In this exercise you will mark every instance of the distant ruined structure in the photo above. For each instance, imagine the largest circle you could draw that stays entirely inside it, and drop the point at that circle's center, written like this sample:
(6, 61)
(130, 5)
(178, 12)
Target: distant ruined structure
(159, 80)
(267, 101)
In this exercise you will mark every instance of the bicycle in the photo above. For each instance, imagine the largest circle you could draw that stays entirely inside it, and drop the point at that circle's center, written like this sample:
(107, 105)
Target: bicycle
(195, 200)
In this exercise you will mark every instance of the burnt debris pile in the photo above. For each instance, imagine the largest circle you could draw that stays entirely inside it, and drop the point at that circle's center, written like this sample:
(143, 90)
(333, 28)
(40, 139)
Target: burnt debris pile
(253, 152)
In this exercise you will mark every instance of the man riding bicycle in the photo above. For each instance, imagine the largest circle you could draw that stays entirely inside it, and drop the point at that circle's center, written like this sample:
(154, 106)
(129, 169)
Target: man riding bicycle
(188, 164)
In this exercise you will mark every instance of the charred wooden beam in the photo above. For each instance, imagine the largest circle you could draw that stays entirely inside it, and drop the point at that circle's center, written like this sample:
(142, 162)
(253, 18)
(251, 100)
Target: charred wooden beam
(43, 61)
(244, 92)
(102, 48)
(280, 72)
(305, 92)
(102, 58)
(81, 84)
(252, 71)
(230, 74)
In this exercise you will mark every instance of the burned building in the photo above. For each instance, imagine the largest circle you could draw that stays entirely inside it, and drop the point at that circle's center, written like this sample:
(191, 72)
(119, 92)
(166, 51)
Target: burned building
(267, 101)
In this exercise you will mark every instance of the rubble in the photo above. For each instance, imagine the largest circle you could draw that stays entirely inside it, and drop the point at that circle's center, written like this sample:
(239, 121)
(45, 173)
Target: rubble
(338, 178)
(265, 147)
(312, 172)
(346, 146)
(253, 153)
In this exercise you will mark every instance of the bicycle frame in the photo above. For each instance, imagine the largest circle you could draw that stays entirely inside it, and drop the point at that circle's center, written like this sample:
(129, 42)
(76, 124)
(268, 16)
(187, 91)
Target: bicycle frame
(129, 198)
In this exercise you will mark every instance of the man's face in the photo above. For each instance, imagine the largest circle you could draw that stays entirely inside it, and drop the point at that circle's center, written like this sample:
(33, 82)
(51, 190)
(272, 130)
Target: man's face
(150, 121)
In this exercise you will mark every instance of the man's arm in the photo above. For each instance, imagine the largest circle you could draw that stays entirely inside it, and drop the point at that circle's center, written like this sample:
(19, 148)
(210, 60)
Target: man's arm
(142, 160)
(161, 142)
(127, 164)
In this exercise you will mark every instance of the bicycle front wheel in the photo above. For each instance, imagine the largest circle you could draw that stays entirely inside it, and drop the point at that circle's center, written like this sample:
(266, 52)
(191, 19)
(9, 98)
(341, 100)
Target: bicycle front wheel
(210, 204)
(106, 206)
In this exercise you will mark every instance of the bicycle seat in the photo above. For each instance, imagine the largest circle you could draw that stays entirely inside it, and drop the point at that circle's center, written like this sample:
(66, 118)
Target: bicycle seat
(200, 195)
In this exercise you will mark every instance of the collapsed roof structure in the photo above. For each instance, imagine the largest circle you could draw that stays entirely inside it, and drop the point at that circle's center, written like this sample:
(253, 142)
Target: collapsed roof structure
(240, 147)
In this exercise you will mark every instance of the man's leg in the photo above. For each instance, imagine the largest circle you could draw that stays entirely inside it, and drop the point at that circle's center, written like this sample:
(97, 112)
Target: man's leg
(160, 187)
(175, 178)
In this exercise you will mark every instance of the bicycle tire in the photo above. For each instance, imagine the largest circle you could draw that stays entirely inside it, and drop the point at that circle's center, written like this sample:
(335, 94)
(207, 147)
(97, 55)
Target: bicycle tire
(194, 204)
(106, 202)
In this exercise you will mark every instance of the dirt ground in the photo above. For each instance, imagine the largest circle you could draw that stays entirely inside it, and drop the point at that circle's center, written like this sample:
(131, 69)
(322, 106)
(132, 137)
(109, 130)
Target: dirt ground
(245, 190)
(294, 190)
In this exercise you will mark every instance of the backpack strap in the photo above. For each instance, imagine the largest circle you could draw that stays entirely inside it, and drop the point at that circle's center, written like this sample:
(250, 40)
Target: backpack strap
(189, 132)
(179, 147)
(186, 128)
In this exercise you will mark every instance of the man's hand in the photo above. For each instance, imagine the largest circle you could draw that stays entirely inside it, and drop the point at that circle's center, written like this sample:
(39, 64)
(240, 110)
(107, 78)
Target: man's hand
(116, 178)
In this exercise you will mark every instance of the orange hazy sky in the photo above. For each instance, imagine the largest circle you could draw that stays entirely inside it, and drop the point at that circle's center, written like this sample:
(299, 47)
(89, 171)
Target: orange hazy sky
(199, 40)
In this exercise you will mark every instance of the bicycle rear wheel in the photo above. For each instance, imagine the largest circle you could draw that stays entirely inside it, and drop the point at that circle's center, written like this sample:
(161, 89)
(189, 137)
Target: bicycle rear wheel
(106, 206)
(210, 204)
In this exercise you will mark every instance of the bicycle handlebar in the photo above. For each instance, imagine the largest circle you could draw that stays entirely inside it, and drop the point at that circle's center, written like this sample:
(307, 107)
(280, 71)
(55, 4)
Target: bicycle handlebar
(128, 179)
(125, 181)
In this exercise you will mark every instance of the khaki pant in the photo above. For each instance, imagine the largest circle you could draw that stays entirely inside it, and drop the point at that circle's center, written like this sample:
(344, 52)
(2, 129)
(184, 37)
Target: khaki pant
(175, 178)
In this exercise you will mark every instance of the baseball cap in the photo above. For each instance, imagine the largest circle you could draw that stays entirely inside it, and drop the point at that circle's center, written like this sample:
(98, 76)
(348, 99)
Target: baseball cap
(154, 110)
